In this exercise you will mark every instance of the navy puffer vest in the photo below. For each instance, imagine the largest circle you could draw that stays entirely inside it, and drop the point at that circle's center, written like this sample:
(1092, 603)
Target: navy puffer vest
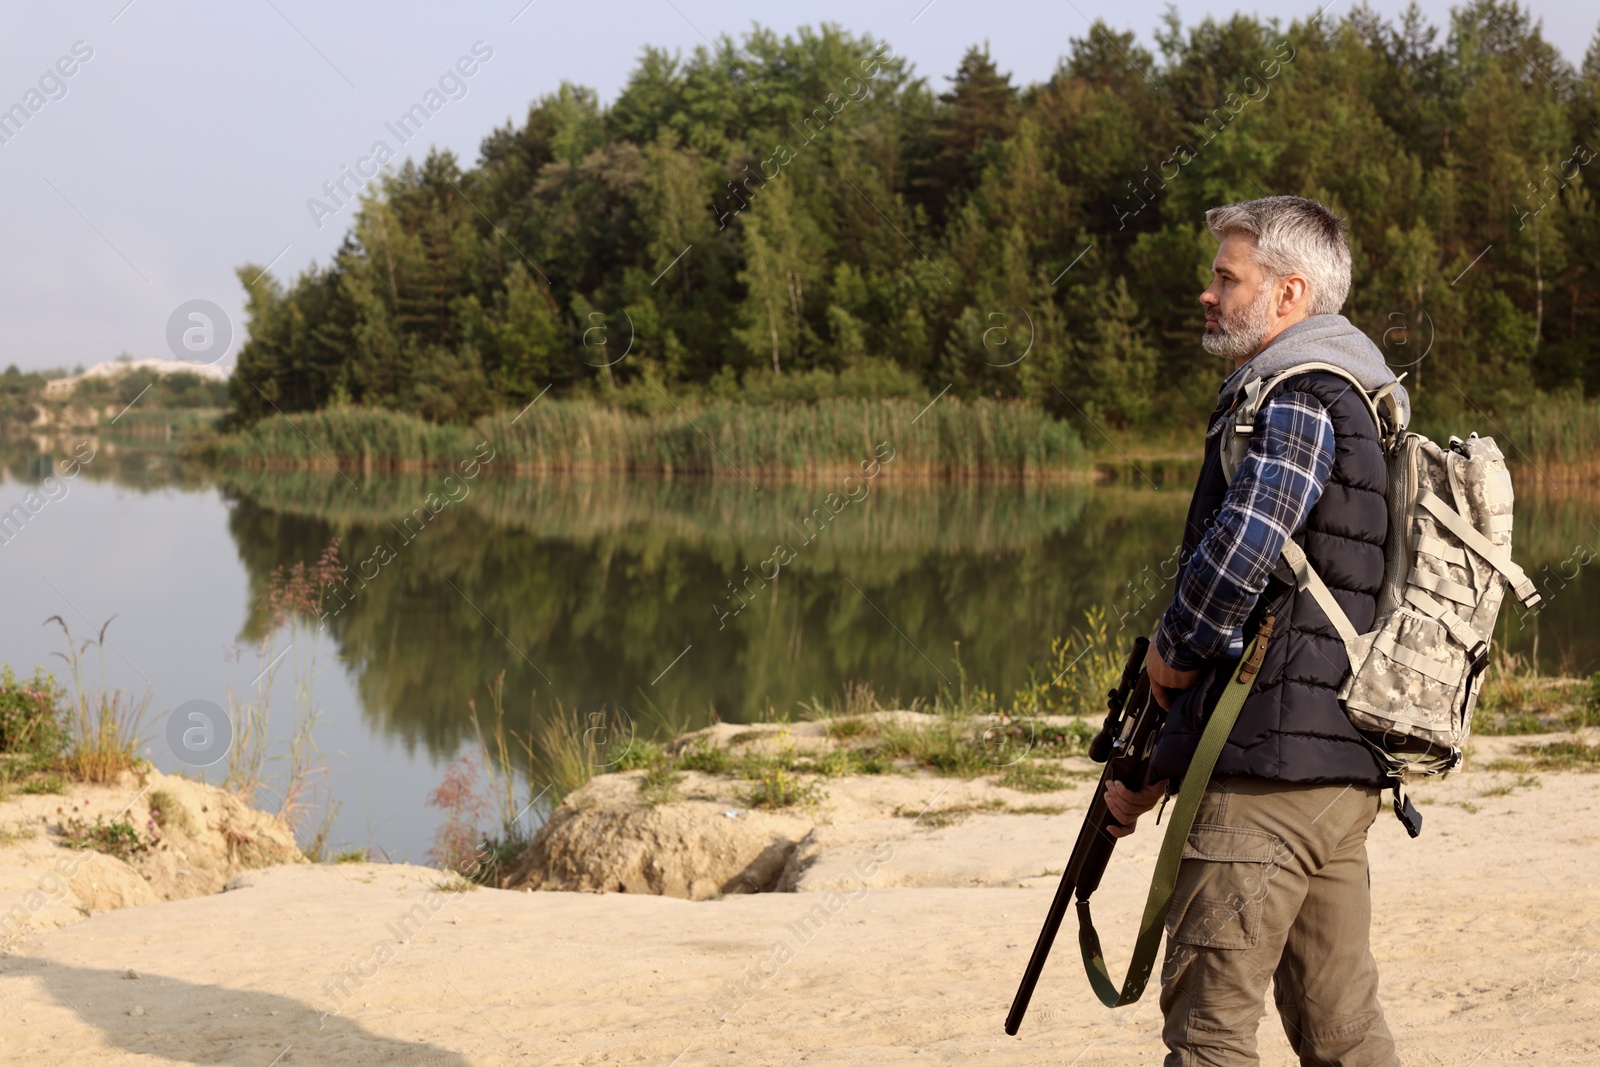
(1292, 728)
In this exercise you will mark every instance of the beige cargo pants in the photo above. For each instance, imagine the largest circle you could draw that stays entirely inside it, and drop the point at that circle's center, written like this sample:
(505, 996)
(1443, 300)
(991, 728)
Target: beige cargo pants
(1274, 886)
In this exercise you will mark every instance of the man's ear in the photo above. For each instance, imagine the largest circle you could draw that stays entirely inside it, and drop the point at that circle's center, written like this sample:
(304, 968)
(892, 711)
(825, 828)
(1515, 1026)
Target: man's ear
(1293, 293)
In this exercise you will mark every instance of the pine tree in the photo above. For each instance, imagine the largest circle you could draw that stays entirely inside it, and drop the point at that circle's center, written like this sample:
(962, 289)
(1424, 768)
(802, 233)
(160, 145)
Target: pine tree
(979, 110)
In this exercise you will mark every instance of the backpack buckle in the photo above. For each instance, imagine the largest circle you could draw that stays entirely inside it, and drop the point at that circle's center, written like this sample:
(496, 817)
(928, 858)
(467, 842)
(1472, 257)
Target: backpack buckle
(1258, 652)
(1407, 812)
(1478, 657)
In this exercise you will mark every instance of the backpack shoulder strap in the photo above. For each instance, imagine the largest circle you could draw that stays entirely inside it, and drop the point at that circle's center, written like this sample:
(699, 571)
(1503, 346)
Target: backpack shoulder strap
(1381, 403)
(1391, 421)
(1306, 578)
(1265, 386)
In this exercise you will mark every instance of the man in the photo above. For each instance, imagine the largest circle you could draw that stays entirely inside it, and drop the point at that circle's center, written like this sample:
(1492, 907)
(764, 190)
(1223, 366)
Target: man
(1274, 882)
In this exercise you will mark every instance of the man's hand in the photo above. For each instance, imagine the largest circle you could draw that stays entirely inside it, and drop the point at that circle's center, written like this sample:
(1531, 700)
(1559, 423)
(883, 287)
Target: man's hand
(1164, 679)
(1126, 805)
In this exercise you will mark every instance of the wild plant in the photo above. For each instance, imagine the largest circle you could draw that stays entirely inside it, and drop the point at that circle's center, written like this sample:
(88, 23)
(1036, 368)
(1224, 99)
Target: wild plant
(103, 723)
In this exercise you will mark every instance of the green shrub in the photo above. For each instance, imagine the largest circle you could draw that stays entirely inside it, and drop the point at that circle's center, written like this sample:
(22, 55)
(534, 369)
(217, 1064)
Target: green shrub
(1515, 699)
(638, 754)
(854, 726)
(493, 857)
(847, 761)
(704, 756)
(1587, 712)
(1029, 777)
(103, 724)
(773, 785)
(660, 785)
(870, 761)
(948, 745)
(33, 724)
(1074, 680)
(119, 837)
(1055, 742)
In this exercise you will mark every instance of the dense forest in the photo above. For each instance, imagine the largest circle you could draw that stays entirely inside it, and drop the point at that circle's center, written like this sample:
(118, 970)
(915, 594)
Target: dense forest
(787, 215)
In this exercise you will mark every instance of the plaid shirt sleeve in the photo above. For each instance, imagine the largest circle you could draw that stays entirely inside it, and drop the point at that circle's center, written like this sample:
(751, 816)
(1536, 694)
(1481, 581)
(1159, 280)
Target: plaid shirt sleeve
(1277, 484)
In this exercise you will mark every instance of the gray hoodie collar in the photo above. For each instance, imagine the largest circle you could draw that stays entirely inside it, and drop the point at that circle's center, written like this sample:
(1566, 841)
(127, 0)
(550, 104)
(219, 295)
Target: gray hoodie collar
(1320, 339)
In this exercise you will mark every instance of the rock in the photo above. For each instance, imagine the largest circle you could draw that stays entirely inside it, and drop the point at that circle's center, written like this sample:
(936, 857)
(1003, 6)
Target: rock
(601, 839)
(131, 973)
(205, 837)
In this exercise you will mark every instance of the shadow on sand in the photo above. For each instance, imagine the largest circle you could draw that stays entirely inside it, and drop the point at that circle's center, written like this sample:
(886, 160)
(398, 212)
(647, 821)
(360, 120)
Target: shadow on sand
(208, 1024)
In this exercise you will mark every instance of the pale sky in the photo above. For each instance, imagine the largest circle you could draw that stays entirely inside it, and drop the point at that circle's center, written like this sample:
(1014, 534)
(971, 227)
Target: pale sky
(191, 137)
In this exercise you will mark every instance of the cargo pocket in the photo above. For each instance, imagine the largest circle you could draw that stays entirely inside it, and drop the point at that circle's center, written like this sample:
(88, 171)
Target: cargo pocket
(1222, 887)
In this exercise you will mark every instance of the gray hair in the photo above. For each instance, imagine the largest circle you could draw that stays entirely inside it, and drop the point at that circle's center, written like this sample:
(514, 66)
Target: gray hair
(1294, 236)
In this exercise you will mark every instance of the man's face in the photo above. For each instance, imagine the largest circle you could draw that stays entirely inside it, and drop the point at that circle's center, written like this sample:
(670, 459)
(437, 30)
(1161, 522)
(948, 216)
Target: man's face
(1238, 315)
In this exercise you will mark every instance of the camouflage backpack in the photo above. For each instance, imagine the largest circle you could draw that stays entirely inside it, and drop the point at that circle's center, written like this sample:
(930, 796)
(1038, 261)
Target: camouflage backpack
(1415, 677)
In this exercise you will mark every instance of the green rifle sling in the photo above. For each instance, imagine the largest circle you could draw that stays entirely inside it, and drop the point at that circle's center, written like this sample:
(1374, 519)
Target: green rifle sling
(1165, 879)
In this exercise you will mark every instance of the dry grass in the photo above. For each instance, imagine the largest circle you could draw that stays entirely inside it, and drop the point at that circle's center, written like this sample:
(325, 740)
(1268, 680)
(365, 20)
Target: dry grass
(1517, 700)
(565, 749)
(953, 439)
(292, 603)
(104, 724)
(1559, 434)
(1551, 756)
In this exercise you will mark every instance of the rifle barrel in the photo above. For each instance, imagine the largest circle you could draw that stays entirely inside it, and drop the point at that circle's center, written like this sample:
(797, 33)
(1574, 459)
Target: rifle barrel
(1092, 850)
(1041, 952)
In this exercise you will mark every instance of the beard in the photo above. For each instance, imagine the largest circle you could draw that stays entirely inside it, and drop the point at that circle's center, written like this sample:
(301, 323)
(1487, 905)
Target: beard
(1241, 332)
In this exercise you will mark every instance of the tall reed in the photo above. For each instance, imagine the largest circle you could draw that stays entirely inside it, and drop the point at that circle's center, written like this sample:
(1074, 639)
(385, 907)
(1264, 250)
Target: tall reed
(1559, 435)
(292, 602)
(103, 724)
(557, 756)
(948, 439)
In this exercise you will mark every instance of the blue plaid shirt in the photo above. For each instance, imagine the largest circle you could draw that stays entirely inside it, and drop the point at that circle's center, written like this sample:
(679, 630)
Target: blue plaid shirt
(1279, 481)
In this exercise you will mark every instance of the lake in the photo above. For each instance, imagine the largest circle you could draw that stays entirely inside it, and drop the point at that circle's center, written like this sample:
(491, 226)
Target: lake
(664, 600)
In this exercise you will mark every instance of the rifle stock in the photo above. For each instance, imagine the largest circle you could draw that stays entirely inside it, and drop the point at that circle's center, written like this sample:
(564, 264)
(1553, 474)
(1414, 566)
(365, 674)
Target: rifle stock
(1132, 719)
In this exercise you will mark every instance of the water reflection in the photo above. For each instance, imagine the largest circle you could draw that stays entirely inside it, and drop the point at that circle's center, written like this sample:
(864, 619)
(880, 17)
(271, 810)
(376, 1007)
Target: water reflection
(652, 594)
(658, 597)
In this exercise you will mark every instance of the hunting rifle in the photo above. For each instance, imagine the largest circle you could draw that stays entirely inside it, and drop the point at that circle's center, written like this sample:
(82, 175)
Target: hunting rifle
(1123, 744)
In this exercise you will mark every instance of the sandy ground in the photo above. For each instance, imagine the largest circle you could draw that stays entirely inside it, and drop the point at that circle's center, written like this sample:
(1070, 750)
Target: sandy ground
(206, 837)
(1487, 931)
